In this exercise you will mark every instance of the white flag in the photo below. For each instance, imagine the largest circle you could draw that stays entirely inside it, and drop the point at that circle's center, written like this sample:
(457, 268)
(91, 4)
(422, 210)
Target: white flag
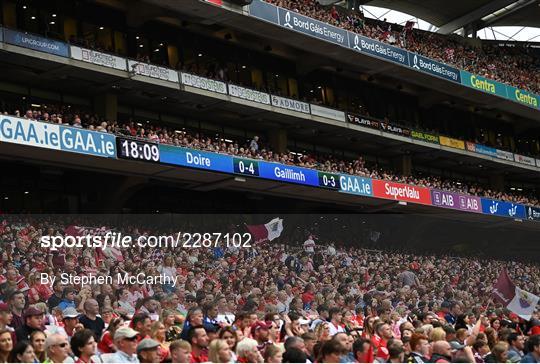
(274, 228)
(523, 304)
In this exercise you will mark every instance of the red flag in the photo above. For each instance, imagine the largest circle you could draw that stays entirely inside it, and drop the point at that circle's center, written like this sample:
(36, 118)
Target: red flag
(504, 290)
(259, 232)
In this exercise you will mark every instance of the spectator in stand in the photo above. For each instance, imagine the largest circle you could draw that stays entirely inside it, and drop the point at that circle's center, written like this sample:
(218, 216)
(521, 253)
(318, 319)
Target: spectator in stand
(5, 317)
(198, 338)
(125, 341)
(6, 345)
(254, 144)
(517, 344)
(33, 321)
(334, 324)
(23, 352)
(106, 343)
(56, 298)
(57, 347)
(147, 351)
(70, 319)
(533, 348)
(91, 320)
(68, 299)
(37, 339)
(16, 301)
(180, 351)
(83, 345)
(219, 352)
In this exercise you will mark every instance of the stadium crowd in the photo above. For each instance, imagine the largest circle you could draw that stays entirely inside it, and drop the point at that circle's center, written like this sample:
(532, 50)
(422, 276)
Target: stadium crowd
(254, 148)
(299, 302)
(516, 66)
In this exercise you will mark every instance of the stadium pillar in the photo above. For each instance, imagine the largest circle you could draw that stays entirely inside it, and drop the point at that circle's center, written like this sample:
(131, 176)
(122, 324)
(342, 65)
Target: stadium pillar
(70, 28)
(497, 182)
(9, 14)
(172, 53)
(106, 105)
(278, 140)
(403, 164)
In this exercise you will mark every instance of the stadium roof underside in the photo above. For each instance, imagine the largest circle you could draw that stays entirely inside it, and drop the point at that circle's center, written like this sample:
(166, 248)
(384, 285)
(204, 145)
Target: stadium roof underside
(450, 16)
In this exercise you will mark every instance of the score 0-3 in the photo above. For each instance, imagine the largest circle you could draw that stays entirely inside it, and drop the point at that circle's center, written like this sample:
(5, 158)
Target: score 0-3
(329, 180)
(248, 167)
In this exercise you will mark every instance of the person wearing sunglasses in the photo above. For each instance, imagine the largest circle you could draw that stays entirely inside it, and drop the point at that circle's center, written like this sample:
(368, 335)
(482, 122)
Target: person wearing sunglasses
(57, 348)
(125, 340)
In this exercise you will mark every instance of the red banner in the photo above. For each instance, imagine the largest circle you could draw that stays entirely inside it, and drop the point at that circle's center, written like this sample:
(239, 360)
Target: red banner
(401, 192)
(215, 2)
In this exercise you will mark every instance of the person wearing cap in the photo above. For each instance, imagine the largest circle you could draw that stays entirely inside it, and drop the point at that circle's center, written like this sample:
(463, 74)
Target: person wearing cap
(5, 317)
(125, 340)
(259, 332)
(198, 338)
(147, 351)
(33, 320)
(16, 303)
(70, 318)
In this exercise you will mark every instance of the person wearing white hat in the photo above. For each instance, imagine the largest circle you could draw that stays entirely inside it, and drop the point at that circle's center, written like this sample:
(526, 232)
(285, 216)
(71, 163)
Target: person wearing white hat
(125, 340)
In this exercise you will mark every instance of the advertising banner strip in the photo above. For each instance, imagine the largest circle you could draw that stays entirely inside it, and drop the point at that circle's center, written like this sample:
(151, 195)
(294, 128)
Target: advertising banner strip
(502, 208)
(363, 121)
(456, 201)
(355, 185)
(291, 20)
(87, 142)
(327, 113)
(36, 42)
(99, 58)
(286, 173)
(290, 104)
(482, 149)
(249, 94)
(378, 49)
(303, 24)
(395, 129)
(435, 68)
(265, 11)
(58, 137)
(203, 83)
(525, 160)
(533, 213)
(425, 137)
(501, 154)
(401, 192)
(523, 97)
(451, 142)
(153, 71)
(483, 84)
(195, 158)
